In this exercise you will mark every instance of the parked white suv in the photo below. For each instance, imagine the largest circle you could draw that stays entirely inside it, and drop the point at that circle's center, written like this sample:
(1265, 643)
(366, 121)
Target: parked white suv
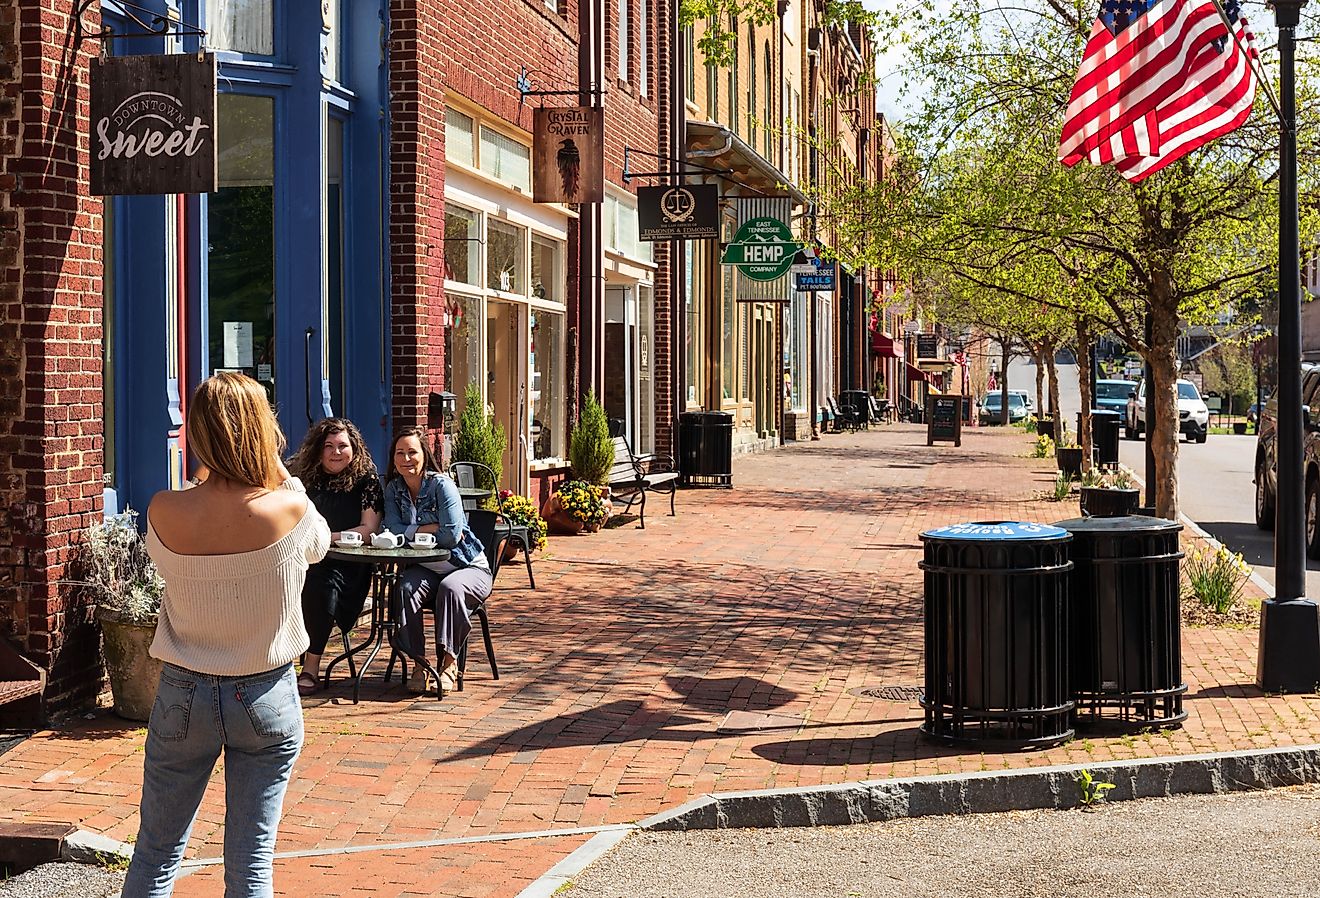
(1193, 415)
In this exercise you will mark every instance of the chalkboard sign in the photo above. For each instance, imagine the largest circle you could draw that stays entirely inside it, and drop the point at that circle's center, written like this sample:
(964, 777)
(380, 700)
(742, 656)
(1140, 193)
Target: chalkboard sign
(928, 346)
(944, 418)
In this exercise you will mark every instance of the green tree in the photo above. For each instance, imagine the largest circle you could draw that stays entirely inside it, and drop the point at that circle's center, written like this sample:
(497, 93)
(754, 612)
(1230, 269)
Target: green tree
(480, 437)
(590, 449)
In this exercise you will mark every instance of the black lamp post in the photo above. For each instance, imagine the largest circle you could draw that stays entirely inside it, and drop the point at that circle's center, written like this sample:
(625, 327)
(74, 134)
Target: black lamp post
(1289, 652)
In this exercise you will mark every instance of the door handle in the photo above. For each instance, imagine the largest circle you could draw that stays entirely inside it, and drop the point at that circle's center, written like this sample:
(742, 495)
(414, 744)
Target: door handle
(307, 372)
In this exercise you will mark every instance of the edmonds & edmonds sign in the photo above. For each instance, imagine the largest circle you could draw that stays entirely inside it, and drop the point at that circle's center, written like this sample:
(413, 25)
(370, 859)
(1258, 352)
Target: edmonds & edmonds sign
(153, 124)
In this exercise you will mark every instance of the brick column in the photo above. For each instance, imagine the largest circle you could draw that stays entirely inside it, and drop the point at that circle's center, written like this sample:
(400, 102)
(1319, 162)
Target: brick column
(416, 216)
(50, 340)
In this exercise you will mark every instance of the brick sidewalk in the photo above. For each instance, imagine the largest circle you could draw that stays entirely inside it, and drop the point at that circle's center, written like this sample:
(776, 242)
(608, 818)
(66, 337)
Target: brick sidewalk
(783, 596)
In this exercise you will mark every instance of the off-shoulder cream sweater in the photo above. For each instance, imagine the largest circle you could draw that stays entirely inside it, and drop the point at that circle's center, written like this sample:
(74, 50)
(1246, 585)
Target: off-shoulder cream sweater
(240, 614)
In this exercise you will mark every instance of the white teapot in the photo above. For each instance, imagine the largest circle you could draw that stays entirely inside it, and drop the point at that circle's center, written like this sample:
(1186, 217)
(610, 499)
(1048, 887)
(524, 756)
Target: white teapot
(387, 540)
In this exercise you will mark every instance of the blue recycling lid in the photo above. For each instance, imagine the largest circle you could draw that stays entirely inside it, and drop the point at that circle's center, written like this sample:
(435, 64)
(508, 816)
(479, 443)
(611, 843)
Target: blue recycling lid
(997, 530)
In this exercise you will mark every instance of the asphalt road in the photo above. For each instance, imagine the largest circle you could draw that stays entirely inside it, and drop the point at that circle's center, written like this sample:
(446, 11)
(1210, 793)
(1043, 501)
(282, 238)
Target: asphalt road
(1215, 489)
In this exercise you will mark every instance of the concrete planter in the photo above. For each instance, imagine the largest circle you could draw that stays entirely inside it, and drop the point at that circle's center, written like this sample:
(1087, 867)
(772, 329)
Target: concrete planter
(133, 672)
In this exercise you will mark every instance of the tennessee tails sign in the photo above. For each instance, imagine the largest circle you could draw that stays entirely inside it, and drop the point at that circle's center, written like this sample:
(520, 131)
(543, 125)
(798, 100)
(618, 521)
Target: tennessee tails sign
(153, 124)
(568, 155)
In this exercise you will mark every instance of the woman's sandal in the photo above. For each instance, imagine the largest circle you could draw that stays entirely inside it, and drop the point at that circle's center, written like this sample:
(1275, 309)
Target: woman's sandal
(308, 684)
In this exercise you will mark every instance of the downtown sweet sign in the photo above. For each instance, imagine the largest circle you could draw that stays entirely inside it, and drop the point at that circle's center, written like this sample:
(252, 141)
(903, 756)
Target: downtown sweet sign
(153, 124)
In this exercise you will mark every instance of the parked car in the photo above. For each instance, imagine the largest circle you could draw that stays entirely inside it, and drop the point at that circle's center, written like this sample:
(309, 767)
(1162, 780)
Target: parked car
(1113, 394)
(1267, 462)
(1019, 406)
(1193, 416)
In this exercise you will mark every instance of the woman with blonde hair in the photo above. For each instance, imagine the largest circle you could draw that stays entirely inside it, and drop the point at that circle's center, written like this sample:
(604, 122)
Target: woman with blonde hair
(335, 466)
(233, 552)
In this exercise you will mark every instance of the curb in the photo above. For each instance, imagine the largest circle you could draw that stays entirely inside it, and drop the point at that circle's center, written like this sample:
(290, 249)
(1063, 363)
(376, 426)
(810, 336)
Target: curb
(563, 872)
(875, 801)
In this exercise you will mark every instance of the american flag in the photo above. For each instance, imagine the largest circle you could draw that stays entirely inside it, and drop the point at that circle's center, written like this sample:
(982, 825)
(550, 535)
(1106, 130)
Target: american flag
(1159, 78)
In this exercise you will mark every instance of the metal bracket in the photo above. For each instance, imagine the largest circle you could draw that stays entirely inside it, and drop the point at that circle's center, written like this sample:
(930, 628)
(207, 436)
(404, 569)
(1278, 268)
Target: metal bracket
(703, 170)
(161, 25)
(524, 85)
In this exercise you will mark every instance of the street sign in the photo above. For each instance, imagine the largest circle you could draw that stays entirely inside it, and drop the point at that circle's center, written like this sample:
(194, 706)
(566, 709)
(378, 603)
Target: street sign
(763, 249)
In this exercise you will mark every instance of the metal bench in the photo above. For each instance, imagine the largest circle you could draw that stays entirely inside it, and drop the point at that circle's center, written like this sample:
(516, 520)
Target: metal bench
(633, 477)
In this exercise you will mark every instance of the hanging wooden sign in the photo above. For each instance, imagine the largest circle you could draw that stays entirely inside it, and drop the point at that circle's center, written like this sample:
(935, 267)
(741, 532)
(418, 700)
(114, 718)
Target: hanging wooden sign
(568, 155)
(153, 124)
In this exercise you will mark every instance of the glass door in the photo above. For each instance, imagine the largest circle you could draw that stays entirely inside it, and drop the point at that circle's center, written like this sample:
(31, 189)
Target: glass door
(506, 385)
(621, 358)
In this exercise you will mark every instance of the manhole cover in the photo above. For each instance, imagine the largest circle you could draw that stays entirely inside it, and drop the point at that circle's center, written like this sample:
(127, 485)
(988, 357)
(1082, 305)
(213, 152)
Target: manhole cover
(890, 693)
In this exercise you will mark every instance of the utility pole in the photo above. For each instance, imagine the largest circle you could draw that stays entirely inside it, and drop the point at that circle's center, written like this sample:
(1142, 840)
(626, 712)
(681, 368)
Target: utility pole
(1288, 658)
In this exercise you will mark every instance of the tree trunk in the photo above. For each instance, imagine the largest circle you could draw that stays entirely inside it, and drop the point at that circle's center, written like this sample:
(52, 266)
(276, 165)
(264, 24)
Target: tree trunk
(1038, 355)
(1054, 386)
(1004, 359)
(1163, 431)
(1084, 349)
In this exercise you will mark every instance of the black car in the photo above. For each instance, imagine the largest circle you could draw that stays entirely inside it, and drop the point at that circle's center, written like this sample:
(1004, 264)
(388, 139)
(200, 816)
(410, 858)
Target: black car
(1267, 464)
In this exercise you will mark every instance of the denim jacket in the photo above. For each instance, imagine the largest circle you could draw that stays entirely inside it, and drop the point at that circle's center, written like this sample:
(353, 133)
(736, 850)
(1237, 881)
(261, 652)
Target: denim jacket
(438, 502)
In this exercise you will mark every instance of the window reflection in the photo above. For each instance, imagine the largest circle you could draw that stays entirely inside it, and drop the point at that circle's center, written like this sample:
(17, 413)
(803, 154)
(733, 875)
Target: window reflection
(547, 388)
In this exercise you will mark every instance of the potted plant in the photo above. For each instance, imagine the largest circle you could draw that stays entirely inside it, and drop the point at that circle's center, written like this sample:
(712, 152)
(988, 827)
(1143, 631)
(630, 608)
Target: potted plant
(590, 449)
(1068, 455)
(1109, 492)
(480, 437)
(576, 506)
(522, 512)
(126, 588)
(1045, 425)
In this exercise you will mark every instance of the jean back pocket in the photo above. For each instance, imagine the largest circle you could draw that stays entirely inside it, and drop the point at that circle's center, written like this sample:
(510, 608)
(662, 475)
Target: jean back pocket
(273, 707)
(173, 706)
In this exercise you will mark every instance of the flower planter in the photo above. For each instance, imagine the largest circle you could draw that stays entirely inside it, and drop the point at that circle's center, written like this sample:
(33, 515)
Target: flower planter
(1101, 502)
(1069, 460)
(1045, 426)
(1239, 427)
(133, 672)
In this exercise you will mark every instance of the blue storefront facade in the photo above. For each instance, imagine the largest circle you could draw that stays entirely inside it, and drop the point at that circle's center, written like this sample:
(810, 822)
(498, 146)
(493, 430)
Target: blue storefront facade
(281, 273)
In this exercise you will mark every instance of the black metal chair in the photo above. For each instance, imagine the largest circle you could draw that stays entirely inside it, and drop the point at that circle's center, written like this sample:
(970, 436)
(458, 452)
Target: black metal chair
(474, 475)
(484, 525)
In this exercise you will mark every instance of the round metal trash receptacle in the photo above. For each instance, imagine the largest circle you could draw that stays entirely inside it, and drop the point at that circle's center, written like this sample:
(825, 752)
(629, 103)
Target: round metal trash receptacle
(996, 624)
(1126, 661)
(705, 449)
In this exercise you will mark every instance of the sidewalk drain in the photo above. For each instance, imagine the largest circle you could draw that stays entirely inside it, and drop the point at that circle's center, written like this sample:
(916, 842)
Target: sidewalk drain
(910, 694)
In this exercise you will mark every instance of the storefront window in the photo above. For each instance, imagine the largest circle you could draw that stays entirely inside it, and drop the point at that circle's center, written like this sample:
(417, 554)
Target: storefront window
(462, 245)
(458, 137)
(463, 340)
(797, 357)
(505, 158)
(547, 269)
(691, 338)
(504, 258)
(244, 26)
(745, 353)
(334, 246)
(241, 240)
(547, 389)
(729, 332)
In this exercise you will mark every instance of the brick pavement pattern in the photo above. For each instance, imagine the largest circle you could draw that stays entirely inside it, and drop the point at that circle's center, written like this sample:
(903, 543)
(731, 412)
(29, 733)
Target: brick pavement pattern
(783, 596)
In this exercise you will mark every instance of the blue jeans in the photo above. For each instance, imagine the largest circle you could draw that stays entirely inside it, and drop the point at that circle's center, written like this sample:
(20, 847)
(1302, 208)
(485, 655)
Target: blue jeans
(257, 720)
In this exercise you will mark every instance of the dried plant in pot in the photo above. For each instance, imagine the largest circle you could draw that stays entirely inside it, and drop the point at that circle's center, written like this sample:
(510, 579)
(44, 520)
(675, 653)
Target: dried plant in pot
(121, 579)
(1109, 492)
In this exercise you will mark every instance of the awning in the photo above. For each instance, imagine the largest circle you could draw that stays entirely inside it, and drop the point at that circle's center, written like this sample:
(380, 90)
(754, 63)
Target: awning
(916, 374)
(885, 346)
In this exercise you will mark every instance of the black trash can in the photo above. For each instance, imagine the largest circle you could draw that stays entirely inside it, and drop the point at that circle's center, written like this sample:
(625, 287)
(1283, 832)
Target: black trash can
(705, 449)
(1105, 426)
(996, 625)
(1126, 663)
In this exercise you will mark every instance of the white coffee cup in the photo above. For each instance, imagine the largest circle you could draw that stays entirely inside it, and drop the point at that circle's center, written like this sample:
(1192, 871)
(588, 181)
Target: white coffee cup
(387, 540)
(423, 540)
(350, 538)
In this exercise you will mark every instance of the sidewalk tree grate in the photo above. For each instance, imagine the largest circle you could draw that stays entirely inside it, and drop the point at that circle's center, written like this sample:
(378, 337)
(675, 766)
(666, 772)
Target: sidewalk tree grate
(889, 693)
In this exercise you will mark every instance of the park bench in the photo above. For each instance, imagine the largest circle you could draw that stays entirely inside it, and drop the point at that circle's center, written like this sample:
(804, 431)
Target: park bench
(632, 477)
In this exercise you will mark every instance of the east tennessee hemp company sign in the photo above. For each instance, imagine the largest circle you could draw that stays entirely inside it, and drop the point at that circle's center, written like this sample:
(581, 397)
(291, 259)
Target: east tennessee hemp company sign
(763, 249)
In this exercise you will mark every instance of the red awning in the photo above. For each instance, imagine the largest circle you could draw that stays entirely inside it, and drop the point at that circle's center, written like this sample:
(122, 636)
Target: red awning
(884, 346)
(915, 373)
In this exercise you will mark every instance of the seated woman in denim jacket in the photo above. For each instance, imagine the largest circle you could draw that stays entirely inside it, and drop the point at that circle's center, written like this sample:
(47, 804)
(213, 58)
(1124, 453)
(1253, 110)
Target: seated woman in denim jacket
(419, 499)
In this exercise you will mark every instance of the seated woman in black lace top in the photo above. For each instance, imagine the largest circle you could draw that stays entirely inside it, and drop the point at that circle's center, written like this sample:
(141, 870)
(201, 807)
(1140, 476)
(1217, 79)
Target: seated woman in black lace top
(340, 477)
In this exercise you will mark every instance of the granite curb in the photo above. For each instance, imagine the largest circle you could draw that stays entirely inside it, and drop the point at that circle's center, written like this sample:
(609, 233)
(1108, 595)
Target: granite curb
(874, 801)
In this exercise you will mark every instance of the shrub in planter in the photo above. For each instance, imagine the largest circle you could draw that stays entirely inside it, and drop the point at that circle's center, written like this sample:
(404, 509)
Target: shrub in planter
(480, 437)
(590, 449)
(123, 582)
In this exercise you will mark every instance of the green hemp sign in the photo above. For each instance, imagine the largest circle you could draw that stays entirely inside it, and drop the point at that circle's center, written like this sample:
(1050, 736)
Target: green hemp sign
(763, 249)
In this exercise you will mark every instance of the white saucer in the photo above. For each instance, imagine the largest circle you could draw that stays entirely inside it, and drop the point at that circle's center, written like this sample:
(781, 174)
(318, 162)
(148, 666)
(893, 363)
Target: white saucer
(421, 545)
(342, 544)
